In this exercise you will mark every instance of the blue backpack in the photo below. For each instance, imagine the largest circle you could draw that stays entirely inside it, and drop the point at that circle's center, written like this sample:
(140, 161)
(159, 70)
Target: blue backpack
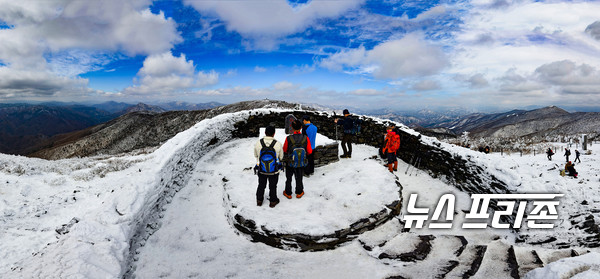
(297, 151)
(268, 158)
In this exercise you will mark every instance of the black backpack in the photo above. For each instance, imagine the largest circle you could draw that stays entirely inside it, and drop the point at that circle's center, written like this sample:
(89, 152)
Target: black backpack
(355, 125)
(267, 158)
(297, 151)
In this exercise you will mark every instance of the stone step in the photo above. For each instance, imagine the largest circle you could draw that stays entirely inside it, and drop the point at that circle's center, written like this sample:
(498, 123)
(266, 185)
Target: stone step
(442, 258)
(527, 260)
(415, 249)
(469, 262)
(498, 262)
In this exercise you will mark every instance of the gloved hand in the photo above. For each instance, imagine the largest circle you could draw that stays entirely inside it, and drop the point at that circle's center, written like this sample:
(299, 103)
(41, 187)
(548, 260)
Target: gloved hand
(256, 170)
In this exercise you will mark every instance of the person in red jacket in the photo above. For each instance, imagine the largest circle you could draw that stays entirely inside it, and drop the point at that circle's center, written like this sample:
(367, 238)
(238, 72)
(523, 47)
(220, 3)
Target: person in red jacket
(392, 144)
(297, 147)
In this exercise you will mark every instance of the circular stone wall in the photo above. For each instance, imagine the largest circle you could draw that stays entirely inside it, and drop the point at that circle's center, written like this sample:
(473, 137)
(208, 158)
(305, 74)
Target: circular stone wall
(341, 200)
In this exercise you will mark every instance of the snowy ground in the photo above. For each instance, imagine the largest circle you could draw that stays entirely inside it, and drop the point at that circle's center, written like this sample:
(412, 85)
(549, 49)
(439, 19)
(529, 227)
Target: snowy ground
(74, 218)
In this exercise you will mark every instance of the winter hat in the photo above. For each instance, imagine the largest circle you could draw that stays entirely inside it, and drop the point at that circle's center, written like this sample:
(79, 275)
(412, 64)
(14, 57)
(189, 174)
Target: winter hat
(306, 118)
(346, 111)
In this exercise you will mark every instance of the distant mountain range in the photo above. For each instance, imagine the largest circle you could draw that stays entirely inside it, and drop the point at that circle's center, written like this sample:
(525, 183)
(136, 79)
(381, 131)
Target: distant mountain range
(135, 130)
(540, 123)
(24, 127)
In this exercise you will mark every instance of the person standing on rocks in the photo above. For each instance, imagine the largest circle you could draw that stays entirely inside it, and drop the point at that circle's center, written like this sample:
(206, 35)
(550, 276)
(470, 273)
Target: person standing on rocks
(348, 124)
(310, 131)
(392, 143)
(297, 147)
(577, 156)
(269, 154)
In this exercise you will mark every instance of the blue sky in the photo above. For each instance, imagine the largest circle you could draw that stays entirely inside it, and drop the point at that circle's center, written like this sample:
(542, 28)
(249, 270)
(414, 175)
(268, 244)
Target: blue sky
(369, 54)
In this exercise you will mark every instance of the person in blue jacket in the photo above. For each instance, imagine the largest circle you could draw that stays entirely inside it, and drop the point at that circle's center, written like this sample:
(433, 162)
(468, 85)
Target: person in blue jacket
(310, 131)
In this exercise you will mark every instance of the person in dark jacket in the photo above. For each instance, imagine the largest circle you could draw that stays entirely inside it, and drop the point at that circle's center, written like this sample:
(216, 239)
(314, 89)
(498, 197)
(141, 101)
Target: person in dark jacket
(347, 123)
(577, 156)
(567, 153)
(310, 131)
(549, 153)
(295, 140)
(570, 169)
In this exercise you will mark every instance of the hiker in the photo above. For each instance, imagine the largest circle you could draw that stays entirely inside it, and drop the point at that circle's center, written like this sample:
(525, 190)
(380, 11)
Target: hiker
(567, 153)
(549, 153)
(570, 169)
(577, 156)
(296, 147)
(269, 154)
(310, 131)
(486, 149)
(392, 143)
(348, 124)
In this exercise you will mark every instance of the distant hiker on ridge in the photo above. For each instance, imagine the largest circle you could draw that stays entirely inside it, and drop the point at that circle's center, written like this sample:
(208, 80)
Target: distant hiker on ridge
(269, 154)
(310, 131)
(350, 129)
(392, 143)
(577, 156)
(567, 153)
(549, 153)
(296, 147)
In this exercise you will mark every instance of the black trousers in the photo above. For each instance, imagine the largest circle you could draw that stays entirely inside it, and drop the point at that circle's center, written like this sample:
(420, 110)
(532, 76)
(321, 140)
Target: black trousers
(262, 184)
(297, 173)
(347, 140)
(310, 167)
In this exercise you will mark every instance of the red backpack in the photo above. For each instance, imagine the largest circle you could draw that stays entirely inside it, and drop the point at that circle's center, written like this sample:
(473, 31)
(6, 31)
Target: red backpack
(393, 142)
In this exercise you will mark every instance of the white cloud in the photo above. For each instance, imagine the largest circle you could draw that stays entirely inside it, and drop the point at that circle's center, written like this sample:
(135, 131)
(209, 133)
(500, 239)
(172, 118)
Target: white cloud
(206, 79)
(260, 69)
(19, 84)
(64, 38)
(166, 74)
(284, 86)
(265, 21)
(478, 81)
(594, 30)
(426, 85)
(366, 92)
(410, 56)
(432, 13)
(165, 64)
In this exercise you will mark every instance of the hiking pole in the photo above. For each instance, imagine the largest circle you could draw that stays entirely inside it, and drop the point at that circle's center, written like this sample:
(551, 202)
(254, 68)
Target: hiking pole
(418, 165)
(413, 169)
(410, 163)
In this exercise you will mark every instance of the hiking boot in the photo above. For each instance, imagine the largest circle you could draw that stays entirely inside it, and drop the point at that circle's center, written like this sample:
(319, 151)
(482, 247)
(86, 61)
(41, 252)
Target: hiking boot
(273, 204)
(396, 166)
(287, 196)
(344, 156)
(259, 203)
(300, 195)
(390, 168)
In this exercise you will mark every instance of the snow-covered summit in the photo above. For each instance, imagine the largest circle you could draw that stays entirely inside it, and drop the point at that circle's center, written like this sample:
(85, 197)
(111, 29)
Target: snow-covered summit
(164, 213)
